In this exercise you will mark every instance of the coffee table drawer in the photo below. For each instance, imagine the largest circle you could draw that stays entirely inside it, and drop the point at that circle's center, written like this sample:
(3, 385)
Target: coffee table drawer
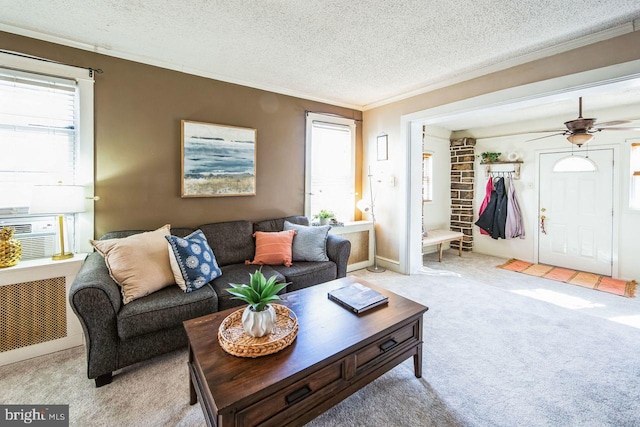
(383, 346)
(322, 382)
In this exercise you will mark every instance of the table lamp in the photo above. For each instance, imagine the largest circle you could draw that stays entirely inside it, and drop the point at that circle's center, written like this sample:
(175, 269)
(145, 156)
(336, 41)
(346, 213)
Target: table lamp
(59, 200)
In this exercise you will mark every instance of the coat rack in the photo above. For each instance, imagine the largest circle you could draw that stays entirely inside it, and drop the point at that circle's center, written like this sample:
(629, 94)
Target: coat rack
(503, 169)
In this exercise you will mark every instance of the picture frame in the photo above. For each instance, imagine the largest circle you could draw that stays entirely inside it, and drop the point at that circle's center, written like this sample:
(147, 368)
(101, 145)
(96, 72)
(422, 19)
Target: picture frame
(383, 147)
(217, 160)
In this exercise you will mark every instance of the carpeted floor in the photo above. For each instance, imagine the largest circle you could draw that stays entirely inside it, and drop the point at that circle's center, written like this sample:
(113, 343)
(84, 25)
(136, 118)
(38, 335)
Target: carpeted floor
(501, 349)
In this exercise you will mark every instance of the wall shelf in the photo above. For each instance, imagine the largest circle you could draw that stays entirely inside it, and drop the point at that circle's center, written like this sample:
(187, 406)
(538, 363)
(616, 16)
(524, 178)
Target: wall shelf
(497, 169)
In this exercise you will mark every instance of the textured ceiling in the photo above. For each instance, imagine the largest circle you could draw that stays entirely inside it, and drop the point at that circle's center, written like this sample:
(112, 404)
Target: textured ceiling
(348, 52)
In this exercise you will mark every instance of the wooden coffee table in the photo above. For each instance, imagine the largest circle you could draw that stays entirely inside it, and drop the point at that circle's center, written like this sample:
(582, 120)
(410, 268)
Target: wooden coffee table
(335, 354)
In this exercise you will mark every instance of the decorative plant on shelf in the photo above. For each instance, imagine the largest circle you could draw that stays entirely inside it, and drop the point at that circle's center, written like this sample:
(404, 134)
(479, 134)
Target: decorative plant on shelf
(489, 156)
(324, 216)
(259, 317)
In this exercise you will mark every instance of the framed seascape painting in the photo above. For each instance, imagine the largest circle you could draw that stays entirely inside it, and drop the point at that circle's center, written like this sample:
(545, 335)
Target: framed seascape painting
(218, 160)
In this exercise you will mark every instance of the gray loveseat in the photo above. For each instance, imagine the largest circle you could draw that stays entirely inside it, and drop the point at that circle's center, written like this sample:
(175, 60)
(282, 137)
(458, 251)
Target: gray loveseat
(119, 335)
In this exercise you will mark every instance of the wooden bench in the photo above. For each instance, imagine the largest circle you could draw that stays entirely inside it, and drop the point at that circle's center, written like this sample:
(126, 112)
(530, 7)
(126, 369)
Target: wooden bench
(438, 237)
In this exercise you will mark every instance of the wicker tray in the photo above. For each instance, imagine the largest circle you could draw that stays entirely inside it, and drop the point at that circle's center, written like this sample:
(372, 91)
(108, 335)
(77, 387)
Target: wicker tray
(234, 341)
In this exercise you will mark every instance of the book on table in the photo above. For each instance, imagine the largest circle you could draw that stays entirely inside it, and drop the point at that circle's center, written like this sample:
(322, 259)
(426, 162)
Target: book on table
(357, 297)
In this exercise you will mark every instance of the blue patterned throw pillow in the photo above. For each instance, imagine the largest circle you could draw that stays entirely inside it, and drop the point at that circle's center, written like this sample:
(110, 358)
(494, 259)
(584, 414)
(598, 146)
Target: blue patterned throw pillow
(192, 261)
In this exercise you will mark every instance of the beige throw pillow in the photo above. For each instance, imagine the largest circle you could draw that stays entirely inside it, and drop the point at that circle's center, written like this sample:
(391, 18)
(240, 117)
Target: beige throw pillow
(138, 263)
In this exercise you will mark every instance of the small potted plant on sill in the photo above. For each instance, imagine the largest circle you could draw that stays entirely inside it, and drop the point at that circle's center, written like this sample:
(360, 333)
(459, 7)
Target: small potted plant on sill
(490, 157)
(259, 317)
(324, 216)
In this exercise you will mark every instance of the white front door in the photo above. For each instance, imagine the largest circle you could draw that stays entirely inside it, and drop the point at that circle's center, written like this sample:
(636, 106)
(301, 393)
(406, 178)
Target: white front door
(575, 221)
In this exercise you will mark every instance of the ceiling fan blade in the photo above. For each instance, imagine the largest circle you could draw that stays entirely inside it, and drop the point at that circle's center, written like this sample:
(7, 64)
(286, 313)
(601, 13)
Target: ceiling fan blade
(546, 131)
(637, 128)
(614, 123)
(547, 136)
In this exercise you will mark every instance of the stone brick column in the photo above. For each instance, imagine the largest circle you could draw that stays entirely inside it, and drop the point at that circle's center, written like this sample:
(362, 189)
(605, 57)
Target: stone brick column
(462, 179)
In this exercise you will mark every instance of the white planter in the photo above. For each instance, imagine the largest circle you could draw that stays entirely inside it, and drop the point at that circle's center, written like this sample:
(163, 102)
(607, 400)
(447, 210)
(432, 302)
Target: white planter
(325, 221)
(258, 323)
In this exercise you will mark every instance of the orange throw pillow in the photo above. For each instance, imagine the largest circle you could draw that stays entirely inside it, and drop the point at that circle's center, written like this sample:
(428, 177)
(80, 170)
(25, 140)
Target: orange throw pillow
(273, 248)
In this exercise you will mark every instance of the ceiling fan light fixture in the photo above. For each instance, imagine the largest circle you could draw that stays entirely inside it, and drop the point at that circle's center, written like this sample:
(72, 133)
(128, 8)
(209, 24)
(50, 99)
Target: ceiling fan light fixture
(579, 138)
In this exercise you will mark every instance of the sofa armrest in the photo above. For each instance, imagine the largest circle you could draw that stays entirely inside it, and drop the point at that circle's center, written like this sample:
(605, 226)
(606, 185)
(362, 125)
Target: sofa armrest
(338, 251)
(96, 300)
(95, 275)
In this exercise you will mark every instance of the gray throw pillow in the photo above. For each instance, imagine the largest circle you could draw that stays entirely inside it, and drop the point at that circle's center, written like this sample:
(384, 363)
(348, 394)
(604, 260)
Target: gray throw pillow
(310, 243)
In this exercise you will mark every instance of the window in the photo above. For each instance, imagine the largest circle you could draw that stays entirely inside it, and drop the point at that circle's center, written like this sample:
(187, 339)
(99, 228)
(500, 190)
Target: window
(330, 166)
(46, 136)
(427, 177)
(634, 196)
(575, 164)
(37, 135)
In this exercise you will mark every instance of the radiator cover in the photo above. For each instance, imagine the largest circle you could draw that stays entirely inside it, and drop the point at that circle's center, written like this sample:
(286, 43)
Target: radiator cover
(32, 313)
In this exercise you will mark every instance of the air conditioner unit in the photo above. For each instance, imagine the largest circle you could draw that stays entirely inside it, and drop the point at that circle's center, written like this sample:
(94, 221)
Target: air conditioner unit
(36, 234)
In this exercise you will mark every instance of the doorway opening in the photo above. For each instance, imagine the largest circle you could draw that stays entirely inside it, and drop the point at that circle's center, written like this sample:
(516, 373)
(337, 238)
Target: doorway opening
(539, 93)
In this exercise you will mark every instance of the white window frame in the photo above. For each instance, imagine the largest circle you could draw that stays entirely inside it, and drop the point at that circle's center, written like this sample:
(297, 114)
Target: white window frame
(84, 222)
(311, 117)
(427, 157)
(634, 174)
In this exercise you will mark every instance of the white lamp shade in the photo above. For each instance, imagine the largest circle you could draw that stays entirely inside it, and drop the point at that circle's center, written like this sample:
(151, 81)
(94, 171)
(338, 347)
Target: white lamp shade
(57, 199)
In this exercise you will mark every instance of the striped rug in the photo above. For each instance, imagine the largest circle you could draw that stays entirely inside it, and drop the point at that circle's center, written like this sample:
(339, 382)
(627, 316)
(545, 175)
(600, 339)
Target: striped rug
(580, 278)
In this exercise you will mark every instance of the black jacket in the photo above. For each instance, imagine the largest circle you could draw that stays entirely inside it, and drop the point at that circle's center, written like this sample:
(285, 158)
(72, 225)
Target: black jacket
(494, 217)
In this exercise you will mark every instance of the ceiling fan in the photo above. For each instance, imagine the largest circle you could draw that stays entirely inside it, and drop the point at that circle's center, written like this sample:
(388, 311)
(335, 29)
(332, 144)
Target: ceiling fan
(581, 130)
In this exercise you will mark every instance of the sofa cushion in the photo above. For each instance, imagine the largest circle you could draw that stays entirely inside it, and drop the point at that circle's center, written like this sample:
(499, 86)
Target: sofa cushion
(121, 234)
(178, 231)
(270, 225)
(231, 241)
(304, 274)
(309, 243)
(181, 231)
(164, 309)
(192, 261)
(239, 273)
(139, 263)
(273, 248)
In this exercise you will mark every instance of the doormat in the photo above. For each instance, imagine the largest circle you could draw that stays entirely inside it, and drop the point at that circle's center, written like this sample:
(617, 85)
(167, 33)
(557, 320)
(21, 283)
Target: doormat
(573, 277)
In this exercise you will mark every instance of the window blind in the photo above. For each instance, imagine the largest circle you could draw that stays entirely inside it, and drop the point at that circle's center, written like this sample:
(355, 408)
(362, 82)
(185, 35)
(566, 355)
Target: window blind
(38, 141)
(635, 158)
(332, 169)
(634, 188)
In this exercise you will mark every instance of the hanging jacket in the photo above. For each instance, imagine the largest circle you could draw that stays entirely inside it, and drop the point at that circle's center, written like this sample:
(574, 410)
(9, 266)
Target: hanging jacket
(485, 221)
(515, 224)
(500, 215)
(485, 202)
(494, 217)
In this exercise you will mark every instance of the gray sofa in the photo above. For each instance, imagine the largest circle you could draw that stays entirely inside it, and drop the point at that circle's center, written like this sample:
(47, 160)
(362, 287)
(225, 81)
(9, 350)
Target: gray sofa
(119, 335)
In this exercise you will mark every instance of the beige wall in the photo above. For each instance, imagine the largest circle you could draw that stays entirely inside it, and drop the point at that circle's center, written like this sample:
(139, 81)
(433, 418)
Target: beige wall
(388, 119)
(138, 109)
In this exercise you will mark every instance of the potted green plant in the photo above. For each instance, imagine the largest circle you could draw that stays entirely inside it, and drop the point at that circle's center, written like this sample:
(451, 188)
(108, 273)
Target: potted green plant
(324, 216)
(490, 156)
(259, 317)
